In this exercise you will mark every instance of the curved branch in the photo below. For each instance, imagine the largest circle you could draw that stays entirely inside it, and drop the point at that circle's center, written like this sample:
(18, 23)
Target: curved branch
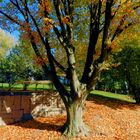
(59, 65)
(10, 18)
(17, 6)
(95, 14)
(58, 13)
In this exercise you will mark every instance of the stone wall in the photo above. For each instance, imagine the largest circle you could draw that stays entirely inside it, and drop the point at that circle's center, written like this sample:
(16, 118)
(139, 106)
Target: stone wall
(16, 107)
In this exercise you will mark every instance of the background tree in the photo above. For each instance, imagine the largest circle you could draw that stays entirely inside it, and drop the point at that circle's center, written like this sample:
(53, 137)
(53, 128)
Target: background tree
(130, 67)
(40, 20)
(12, 70)
(124, 77)
(6, 43)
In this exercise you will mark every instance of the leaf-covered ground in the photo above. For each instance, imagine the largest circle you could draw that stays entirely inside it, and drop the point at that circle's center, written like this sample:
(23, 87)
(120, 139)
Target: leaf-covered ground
(107, 119)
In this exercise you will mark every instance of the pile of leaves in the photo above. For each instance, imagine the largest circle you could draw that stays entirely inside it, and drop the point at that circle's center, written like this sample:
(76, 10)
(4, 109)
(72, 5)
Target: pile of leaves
(107, 120)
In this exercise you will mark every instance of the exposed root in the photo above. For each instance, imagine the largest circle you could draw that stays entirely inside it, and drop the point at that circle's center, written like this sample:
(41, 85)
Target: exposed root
(75, 130)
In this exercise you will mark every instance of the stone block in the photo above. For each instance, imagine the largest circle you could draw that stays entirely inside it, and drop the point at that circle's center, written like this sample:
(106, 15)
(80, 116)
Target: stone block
(32, 106)
(2, 122)
(6, 104)
(1, 105)
(16, 120)
(17, 115)
(9, 100)
(5, 115)
(17, 103)
(26, 117)
(27, 109)
(6, 121)
(9, 121)
(19, 107)
(25, 102)
(54, 111)
(40, 111)
(6, 118)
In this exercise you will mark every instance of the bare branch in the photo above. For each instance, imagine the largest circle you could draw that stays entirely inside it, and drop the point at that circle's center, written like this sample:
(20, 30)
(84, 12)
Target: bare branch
(11, 18)
(95, 13)
(58, 12)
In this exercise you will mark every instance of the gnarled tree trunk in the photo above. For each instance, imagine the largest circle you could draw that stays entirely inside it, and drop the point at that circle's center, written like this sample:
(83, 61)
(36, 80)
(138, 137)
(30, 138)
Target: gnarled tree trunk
(74, 124)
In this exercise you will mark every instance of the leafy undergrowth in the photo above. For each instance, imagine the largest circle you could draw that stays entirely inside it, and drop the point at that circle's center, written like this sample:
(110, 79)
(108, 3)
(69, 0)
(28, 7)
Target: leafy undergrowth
(107, 119)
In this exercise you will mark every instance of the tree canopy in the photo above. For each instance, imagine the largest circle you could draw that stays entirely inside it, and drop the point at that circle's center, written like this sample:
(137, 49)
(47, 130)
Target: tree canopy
(95, 25)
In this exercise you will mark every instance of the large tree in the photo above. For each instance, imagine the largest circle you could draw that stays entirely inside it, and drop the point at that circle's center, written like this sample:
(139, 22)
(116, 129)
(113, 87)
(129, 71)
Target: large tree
(94, 23)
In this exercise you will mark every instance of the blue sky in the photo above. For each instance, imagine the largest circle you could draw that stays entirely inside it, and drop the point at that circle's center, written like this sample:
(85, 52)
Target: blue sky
(15, 34)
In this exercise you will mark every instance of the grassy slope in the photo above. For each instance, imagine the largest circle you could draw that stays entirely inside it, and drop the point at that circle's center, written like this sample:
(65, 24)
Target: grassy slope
(113, 95)
(95, 92)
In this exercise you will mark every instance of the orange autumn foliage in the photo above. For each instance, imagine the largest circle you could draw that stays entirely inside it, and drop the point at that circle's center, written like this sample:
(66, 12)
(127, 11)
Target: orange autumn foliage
(46, 6)
(65, 20)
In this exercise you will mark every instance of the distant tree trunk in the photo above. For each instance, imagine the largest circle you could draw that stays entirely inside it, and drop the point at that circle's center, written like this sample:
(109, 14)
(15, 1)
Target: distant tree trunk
(136, 93)
(9, 86)
(25, 85)
(37, 85)
(137, 97)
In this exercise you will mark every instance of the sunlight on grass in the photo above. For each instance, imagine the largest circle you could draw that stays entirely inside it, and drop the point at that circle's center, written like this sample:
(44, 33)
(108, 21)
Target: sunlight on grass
(5, 86)
(48, 87)
(113, 96)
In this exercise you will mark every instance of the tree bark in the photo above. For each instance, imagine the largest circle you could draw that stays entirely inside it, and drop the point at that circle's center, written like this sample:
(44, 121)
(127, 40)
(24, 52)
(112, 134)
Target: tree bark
(137, 97)
(133, 89)
(136, 94)
(74, 125)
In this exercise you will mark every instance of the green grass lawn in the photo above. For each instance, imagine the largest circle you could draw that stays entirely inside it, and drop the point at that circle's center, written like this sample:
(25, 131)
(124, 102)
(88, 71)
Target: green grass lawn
(50, 86)
(113, 96)
(5, 86)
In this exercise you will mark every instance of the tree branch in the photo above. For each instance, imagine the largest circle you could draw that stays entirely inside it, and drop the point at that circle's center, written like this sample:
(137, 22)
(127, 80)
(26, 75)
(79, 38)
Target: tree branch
(59, 65)
(95, 13)
(106, 31)
(104, 50)
(58, 13)
(119, 29)
(10, 18)
(17, 6)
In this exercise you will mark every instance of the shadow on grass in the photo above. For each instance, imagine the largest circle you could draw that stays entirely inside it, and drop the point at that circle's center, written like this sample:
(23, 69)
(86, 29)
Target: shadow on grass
(111, 102)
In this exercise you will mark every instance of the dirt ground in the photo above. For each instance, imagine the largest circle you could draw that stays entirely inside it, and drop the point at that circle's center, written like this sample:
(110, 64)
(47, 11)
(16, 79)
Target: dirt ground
(107, 120)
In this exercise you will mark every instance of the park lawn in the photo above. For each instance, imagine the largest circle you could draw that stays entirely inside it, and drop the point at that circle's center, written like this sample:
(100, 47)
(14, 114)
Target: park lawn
(116, 96)
(29, 87)
(6, 86)
(40, 87)
(50, 86)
